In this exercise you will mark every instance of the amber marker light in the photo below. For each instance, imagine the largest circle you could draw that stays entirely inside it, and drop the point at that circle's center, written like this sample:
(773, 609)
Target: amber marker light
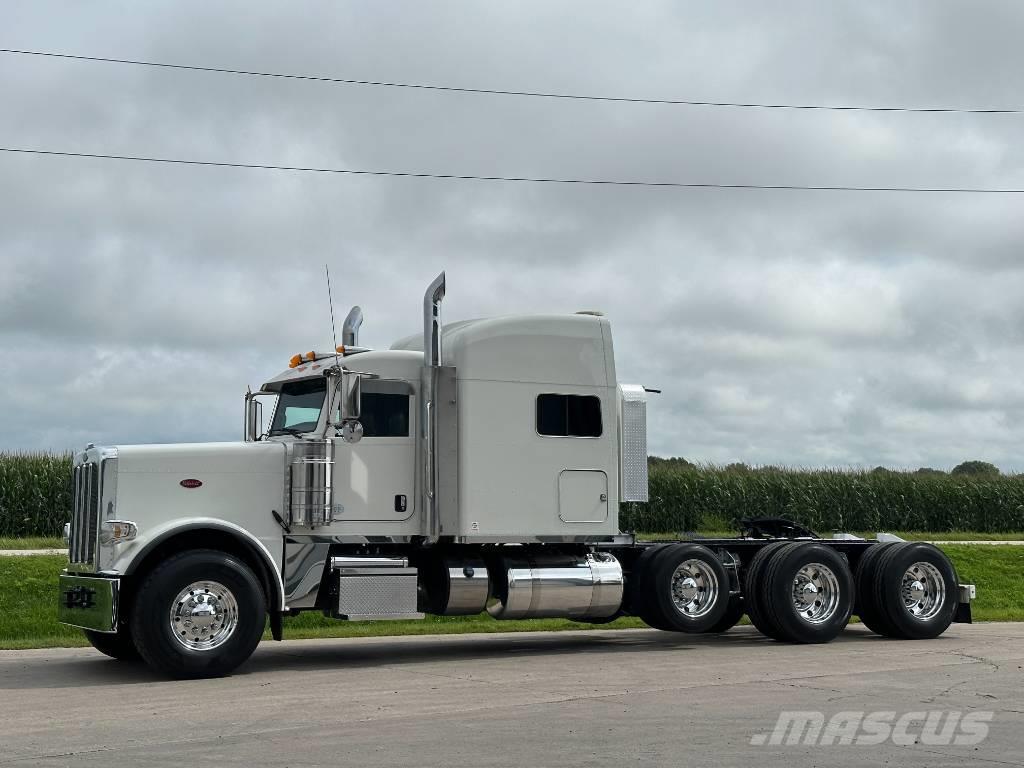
(311, 355)
(294, 362)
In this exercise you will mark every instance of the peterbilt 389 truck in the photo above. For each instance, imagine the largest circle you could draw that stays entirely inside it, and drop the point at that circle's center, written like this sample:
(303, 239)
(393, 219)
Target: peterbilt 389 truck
(478, 466)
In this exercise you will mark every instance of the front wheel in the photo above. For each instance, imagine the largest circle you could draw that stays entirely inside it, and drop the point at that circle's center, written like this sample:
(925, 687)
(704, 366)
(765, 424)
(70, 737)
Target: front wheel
(198, 614)
(117, 645)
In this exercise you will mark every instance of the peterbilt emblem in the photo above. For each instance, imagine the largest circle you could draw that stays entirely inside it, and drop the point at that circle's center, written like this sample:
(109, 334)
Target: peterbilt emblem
(190, 483)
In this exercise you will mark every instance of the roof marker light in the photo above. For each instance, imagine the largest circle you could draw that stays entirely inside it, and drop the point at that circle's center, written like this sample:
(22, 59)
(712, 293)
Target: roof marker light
(294, 362)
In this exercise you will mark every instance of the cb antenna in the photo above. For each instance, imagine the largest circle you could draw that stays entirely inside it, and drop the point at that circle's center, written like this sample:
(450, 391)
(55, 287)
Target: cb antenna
(330, 302)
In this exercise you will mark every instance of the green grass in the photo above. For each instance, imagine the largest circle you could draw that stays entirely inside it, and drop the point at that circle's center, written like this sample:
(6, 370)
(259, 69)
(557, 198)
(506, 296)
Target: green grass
(28, 604)
(32, 542)
(28, 600)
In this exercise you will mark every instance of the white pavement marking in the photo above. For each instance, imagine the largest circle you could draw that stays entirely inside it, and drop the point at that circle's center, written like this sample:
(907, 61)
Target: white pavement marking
(26, 552)
(994, 543)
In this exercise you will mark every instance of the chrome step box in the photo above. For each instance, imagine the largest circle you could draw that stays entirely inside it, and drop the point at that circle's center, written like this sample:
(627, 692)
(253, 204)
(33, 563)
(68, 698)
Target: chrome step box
(369, 588)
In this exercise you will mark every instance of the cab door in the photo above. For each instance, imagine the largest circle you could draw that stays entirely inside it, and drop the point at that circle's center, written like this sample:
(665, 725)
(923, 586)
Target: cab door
(375, 479)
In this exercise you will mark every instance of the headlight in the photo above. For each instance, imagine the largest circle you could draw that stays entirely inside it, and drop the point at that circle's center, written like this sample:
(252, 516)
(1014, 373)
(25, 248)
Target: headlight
(114, 531)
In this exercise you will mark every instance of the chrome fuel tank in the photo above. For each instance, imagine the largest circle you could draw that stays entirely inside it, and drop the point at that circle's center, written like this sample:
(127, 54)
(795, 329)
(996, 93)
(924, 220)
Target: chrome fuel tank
(558, 586)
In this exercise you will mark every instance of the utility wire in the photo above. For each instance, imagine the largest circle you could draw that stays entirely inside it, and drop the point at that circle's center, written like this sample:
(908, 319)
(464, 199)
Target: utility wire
(529, 179)
(501, 92)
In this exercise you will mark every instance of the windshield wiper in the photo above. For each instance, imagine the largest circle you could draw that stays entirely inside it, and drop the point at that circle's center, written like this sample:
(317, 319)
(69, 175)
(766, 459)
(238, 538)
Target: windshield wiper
(288, 430)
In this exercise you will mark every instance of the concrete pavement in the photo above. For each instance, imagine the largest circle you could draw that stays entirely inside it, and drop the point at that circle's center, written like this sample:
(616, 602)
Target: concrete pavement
(628, 697)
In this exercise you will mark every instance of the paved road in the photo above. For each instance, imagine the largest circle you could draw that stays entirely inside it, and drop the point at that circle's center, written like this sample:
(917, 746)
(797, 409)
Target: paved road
(635, 697)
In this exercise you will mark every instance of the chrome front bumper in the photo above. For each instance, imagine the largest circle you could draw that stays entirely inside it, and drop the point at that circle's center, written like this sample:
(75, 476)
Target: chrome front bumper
(88, 602)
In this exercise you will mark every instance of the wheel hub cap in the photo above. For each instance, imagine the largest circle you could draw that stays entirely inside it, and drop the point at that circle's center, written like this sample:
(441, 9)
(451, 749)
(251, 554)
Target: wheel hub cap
(815, 593)
(694, 588)
(923, 590)
(203, 615)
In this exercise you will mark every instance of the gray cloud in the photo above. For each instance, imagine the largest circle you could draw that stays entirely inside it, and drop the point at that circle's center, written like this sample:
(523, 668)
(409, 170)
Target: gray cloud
(138, 301)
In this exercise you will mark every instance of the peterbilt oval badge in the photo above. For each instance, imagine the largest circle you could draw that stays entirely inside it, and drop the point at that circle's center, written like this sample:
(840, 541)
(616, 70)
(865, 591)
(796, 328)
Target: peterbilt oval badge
(191, 483)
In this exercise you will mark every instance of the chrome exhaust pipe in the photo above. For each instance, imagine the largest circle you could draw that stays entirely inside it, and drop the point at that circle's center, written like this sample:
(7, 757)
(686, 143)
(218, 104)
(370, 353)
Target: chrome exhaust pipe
(431, 362)
(350, 329)
(432, 322)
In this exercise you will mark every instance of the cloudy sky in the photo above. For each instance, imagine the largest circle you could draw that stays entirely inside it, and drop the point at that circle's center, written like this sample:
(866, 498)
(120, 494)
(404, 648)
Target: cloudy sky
(137, 301)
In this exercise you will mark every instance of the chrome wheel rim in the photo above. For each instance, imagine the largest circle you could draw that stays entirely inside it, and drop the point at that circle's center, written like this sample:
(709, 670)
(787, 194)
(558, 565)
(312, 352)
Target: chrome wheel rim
(923, 590)
(816, 593)
(694, 588)
(203, 616)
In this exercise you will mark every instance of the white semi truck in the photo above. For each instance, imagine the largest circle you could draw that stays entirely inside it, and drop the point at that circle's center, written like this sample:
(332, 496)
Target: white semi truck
(476, 467)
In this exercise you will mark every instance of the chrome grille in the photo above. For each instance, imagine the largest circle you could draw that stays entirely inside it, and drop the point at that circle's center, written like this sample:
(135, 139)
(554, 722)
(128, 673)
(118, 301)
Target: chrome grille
(85, 517)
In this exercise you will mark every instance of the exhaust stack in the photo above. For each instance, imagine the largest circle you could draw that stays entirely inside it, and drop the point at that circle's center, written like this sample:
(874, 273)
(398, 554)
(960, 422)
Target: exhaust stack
(350, 329)
(431, 363)
(432, 322)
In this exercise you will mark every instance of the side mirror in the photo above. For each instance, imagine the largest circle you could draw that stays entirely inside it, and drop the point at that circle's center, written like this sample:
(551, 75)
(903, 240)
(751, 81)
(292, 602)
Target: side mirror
(254, 415)
(345, 417)
(351, 395)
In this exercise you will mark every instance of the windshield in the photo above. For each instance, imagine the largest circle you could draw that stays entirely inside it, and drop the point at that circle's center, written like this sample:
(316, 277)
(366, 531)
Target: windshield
(298, 407)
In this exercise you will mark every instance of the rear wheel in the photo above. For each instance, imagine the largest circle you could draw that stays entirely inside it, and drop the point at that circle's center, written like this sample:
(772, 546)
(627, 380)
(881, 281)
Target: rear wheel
(640, 591)
(867, 606)
(807, 593)
(914, 589)
(688, 589)
(753, 585)
(117, 645)
(733, 613)
(198, 614)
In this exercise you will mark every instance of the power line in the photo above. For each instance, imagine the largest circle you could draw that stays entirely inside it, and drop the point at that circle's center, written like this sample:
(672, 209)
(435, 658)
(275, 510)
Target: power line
(501, 92)
(528, 179)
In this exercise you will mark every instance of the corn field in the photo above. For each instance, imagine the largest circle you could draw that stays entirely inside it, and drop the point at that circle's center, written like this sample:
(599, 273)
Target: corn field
(35, 499)
(35, 493)
(712, 498)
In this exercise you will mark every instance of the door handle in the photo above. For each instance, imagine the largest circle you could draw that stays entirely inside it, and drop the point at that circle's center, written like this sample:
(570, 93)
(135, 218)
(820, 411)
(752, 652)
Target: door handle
(604, 497)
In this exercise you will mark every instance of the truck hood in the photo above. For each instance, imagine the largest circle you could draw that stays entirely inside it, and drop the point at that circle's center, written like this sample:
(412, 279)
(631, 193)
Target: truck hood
(194, 460)
(163, 488)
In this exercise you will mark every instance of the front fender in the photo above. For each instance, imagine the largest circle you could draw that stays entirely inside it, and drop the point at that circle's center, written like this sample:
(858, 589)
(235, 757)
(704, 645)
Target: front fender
(134, 553)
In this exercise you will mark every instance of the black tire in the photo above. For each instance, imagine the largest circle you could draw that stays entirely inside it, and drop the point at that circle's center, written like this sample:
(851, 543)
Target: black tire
(640, 591)
(753, 589)
(733, 613)
(867, 606)
(887, 591)
(710, 582)
(779, 578)
(117, 645)
(151, 622)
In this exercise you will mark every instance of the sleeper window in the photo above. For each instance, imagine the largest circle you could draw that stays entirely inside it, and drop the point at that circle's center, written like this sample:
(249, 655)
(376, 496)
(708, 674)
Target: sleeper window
(384, 415)
(569, 415)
